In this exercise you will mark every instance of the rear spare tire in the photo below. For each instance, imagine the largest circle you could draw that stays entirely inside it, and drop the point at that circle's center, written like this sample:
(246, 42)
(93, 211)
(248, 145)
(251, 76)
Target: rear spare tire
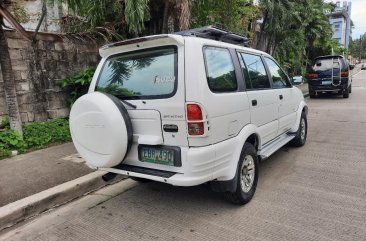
(100, 129)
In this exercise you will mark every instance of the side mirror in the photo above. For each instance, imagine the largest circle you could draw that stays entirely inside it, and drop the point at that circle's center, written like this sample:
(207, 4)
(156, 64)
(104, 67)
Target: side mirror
(351, 66)
(297, 80)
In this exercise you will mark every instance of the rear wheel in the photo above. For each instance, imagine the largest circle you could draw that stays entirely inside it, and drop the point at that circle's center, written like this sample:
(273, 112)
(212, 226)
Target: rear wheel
(346, 93)
(246, 176)
(301, 133)
(350, 89)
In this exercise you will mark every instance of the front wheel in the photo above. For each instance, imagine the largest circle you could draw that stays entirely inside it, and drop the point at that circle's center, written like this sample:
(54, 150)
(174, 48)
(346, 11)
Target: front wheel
(246, 176)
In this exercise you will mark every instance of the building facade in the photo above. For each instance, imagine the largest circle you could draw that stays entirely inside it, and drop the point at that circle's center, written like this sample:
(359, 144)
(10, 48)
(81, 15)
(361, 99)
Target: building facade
(340, 19)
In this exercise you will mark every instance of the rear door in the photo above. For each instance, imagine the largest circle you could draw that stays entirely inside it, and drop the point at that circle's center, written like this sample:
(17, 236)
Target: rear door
(150, 81)
(263, 99)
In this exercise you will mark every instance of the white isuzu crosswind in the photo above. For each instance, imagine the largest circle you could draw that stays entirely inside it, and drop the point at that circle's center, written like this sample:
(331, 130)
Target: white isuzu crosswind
(187, 109)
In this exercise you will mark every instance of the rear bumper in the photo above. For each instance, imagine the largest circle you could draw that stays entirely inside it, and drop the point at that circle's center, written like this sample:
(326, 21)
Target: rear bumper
(199, 165)
(327, 88)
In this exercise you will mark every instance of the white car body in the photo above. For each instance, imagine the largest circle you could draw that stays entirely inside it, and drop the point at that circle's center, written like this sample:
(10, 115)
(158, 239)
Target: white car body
(230, 119)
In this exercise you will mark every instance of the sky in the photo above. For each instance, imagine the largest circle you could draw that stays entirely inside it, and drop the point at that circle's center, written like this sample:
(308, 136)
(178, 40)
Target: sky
(358, 16)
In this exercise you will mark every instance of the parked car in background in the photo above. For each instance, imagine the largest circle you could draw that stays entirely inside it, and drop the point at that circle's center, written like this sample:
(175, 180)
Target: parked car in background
(187, 110)
(330, 74)
(363, 66)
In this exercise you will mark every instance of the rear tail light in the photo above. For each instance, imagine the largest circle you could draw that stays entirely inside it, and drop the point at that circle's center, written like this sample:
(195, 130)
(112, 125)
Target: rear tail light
(196, 126)
(312, 76)
(194, 112)
(344, 74)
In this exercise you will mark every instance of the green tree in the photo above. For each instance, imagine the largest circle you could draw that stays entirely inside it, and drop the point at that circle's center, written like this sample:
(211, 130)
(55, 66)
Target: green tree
(127, 18)
(357, 47)
(238, 16)
(295, 32)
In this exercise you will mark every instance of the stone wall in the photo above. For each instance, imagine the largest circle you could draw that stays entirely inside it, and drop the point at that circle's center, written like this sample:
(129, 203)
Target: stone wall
(38, 67)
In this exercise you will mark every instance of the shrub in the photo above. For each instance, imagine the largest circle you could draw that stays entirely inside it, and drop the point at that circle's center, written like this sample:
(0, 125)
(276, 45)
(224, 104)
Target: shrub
(77, 85)
(11, 140)
(35, 135)
(4, 122)
(41, 134)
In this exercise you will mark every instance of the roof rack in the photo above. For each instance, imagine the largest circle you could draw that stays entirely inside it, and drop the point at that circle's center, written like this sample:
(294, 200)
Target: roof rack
(212, 32)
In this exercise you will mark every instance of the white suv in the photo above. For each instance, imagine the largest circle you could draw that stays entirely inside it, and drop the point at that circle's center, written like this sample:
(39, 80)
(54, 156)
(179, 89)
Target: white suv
(187, 110)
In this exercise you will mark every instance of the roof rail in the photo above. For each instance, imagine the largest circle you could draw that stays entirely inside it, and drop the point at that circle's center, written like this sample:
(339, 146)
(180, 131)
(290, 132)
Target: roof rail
(212, 32)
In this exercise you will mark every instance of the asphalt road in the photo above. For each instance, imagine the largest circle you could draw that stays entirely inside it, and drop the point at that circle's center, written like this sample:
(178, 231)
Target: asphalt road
(317, 192)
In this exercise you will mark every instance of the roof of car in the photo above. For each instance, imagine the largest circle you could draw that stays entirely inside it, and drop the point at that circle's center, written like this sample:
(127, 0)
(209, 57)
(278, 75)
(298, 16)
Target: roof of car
(178, 38)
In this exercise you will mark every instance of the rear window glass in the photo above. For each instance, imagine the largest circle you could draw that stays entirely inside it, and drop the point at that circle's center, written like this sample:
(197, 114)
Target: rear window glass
(145, 74)
(327, 64)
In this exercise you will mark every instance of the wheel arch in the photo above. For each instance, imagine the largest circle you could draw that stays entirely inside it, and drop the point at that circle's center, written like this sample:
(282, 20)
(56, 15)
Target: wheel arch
(249, 134)
(303, 108)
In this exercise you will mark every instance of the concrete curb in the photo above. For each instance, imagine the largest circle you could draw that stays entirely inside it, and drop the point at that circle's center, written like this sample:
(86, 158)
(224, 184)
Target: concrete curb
(25, 208)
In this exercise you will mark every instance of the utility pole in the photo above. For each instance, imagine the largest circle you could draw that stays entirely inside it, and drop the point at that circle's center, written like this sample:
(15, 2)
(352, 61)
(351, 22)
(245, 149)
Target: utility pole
(360, 48)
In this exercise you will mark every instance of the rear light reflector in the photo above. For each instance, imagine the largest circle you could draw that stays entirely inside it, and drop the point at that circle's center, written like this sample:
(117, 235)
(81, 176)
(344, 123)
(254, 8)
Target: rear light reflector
(344, 74)
(196, 129)
(312, 76)
(194, 112)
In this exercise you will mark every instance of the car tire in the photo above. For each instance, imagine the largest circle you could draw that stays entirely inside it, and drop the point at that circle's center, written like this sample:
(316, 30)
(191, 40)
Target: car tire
(346, 93)
(350, 89)
(312, 95)
(246, 176)
(302, 132)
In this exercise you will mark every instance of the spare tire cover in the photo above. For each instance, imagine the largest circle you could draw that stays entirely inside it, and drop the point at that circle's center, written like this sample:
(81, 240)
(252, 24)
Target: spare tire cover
(100, 129)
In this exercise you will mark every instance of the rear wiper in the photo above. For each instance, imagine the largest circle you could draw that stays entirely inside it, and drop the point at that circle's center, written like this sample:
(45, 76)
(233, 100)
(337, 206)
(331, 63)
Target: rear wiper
(128, 103)
(124, 101)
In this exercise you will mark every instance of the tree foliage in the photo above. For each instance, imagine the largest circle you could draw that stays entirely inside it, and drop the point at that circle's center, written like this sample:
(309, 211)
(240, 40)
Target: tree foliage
(235, 15)
(295, 32)
(357, 47)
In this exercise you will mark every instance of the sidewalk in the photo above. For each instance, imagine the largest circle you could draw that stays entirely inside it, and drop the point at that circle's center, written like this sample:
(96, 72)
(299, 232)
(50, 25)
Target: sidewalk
(35, 182)
(30, 173)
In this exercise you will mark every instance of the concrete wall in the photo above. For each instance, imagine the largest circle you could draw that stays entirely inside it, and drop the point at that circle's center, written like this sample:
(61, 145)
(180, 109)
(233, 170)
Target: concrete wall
(38, 67)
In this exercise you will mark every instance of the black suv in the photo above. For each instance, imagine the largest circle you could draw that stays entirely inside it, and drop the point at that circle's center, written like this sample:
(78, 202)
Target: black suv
(330, 74)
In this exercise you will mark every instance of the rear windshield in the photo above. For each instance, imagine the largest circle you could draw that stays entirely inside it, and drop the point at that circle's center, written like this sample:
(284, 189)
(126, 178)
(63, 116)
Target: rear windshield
(148, 74)
(321, 65)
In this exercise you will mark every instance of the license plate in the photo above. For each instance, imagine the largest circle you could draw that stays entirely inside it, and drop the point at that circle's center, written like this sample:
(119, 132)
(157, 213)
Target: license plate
(163, 156)
(327, 82)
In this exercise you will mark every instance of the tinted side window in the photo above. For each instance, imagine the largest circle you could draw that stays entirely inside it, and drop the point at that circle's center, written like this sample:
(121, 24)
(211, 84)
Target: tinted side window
(278, 76)
(244, 70)
(256, 71)
(220, 70)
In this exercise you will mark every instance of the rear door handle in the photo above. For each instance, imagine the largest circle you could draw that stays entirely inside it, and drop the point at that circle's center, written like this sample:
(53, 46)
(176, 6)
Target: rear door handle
(254, 102)
(281, 97)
